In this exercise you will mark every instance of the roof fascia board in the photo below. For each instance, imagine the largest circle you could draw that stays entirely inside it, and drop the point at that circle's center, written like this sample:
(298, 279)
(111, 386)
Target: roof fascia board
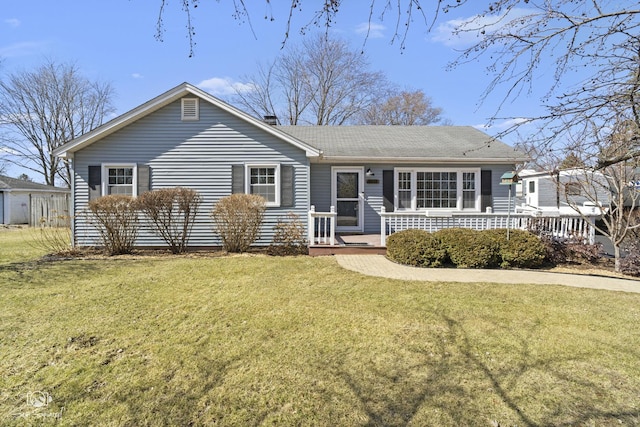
(456, 160)
(163, 100)
(309, 150)
(121, 121)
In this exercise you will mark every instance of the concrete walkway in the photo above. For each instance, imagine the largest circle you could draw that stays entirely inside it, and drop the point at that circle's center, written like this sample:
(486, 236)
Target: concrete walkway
(379, 265)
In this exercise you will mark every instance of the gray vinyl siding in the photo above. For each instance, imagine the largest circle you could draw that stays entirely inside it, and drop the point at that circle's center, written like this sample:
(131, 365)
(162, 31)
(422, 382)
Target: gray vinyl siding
(321, 189)
(194, 154)
(547, 192)
(499, 192)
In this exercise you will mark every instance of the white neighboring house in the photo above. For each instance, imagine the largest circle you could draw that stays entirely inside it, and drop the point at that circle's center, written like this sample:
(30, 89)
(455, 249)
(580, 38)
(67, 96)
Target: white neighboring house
(565, 192)
(24, 202)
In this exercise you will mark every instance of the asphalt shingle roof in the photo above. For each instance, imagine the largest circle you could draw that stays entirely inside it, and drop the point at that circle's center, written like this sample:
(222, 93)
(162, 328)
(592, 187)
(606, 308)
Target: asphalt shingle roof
(7, 183)
(410, 142)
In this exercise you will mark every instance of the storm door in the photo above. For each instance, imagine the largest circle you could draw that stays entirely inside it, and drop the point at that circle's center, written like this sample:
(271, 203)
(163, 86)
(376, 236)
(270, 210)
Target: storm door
(347, 197)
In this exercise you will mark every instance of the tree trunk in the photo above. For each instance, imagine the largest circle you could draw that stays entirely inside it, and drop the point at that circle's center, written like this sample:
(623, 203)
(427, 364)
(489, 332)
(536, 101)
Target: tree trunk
(616, 253)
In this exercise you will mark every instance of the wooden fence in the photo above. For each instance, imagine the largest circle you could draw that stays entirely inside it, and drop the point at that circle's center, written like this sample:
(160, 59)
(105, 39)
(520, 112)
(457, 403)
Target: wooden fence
(49, 210)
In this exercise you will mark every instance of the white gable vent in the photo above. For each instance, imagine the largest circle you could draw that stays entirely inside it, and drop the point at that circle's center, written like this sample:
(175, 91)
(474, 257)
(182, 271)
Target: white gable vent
(190, 109)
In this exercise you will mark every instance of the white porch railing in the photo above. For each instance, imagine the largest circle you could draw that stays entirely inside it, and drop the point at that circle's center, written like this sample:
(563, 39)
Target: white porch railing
(322, 227)
(570, 227)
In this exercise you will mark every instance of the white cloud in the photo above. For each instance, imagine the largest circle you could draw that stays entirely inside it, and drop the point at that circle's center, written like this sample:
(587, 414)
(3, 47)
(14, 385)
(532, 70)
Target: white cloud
(137, 76)
(505, 124)
(220, 86)
(376, 31)
(449, 34)
(12, 22)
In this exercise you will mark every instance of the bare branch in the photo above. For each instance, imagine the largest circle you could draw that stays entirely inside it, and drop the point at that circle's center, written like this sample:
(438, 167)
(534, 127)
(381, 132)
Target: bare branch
(45, 108)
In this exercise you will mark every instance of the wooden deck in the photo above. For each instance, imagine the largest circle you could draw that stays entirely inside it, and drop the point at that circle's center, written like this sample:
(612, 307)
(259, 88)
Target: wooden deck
(351, 244)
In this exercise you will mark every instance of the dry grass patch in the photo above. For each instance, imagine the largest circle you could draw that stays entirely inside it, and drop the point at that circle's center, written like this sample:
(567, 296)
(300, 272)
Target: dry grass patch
(256, 340)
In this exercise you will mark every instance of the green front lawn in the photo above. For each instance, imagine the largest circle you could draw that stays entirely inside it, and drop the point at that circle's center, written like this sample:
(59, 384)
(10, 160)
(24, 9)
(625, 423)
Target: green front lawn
(255, 340)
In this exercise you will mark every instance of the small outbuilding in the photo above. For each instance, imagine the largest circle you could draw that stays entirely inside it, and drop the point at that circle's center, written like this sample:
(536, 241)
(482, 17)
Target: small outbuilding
(24, 202)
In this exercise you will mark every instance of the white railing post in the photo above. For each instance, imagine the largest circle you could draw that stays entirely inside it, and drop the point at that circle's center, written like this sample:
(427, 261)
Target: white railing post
(332, 240)
(383, 226)
(312, 225)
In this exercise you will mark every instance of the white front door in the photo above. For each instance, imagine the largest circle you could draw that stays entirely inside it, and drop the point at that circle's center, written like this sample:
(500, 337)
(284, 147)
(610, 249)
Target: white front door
(347, 195)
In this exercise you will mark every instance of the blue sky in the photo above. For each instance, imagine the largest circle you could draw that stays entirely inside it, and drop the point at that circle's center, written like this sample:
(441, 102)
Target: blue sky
(114, 41)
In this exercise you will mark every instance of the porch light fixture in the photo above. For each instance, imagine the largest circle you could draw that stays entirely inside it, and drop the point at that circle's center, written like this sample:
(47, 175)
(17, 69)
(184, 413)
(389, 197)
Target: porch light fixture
(370, 172)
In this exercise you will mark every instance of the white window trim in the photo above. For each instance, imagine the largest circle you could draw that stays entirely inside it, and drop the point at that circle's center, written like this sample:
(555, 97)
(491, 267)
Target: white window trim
(247, 180)
(197, 112)
(105, 176)
(414, 189)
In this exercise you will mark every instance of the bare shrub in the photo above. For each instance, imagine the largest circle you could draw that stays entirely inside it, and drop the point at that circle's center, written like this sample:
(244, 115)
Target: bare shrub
(238, 219)
(289, 237)
(172, 212)
(559, 251)
(116, 218)
(630, 264)
(53, 237)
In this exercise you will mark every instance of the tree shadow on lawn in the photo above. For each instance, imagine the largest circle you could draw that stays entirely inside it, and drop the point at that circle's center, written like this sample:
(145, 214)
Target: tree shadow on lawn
(455, 383)
(22, 267)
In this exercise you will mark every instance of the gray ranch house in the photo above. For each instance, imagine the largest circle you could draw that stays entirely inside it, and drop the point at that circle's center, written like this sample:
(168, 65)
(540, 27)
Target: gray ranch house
(340, 181)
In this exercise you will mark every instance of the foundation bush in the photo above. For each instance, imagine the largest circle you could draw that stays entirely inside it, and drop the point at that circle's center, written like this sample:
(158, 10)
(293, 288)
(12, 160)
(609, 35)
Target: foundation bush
(116, 218)
(238, 219)
(417, 248)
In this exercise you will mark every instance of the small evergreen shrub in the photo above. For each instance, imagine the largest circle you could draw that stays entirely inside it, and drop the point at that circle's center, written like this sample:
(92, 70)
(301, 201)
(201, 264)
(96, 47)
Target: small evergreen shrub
(116, 218)
(289, 237)
(418, 248)
(238, 219)
(522, 250)
(469, 248)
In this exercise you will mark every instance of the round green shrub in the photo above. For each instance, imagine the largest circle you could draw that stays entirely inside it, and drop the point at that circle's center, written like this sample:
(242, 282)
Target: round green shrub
(418, 248)
(469, 248)
(522, 250)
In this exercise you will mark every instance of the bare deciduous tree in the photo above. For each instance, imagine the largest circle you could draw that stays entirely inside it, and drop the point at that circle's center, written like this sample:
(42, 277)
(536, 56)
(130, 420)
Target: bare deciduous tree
(401, 12)
(612, 186)
(525, 39)
(42, 109)
(320, 82)
(407, 108)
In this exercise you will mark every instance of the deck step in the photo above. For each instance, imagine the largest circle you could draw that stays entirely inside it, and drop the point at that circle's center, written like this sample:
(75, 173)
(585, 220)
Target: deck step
(353, 249)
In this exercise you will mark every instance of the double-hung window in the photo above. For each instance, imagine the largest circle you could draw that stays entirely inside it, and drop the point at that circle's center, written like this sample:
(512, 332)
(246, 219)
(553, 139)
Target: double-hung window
(418, 189)
(119, 179)
(404, 190)
(264, 180)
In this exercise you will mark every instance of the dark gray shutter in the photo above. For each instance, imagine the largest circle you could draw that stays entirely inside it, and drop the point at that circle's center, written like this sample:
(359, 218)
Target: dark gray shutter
(387, 190)
(144, 176)
(237, 179)
(95, 182)
(286, 186)
(485, 190)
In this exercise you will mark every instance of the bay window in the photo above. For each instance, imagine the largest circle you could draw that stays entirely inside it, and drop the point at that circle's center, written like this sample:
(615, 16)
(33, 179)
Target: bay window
(437, 189)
